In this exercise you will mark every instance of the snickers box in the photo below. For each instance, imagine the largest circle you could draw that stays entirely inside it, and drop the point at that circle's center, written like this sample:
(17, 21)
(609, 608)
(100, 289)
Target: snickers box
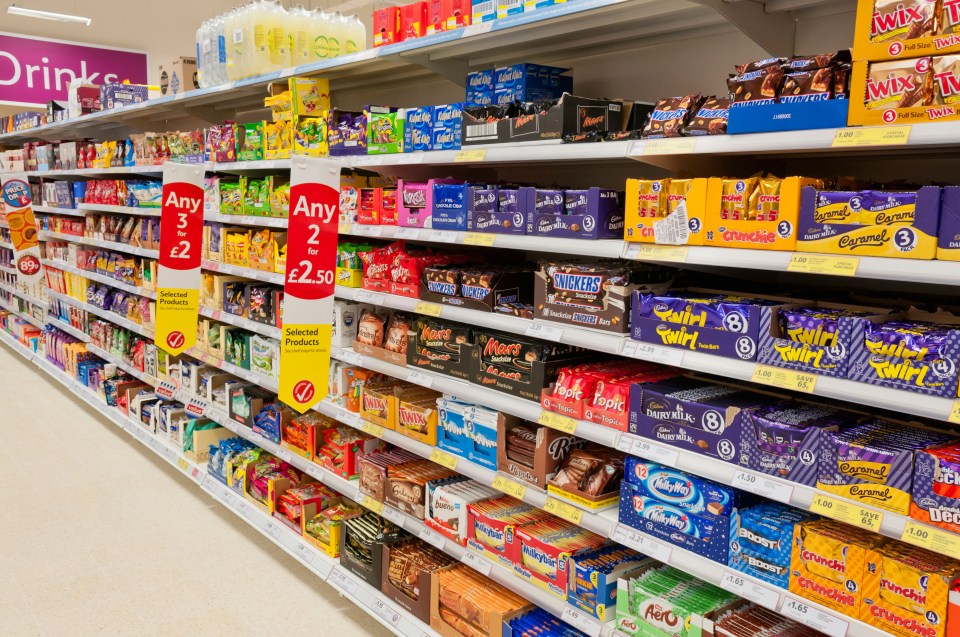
(693, 414)
(571, 115)
(599, 215)
(476, 288)
(440, 347)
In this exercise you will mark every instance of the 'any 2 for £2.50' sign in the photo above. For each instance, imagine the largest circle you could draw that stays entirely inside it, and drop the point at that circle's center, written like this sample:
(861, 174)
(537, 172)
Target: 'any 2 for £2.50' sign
(181, 241)
(310, 281)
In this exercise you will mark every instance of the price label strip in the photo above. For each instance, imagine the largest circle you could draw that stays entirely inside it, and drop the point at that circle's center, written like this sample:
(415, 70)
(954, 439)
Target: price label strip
(178, 272)
(394, 516)
(428, 309)
(373, 505)
(479, 239)
(563, 510)
(432, 537)
(652, 353)
(785, 378)
(469, 156)
(476, 562)
(310, 281)
(954, 416)
(814, 618)
(546, 332)
(343, 581)
(651, 252)
(761, 485)
(824, 264)
(632, 538)
(579, 619)
(557, 421)
(669, 146)
(663, 455)
(847, 512)
(739, 585)
(509, 487)
(444, 459)
(933, 539)
(872, 136)
(372, 429)
(388, 613)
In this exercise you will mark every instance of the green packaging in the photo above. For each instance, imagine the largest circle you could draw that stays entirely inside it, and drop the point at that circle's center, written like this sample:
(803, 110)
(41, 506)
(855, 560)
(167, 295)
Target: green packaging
(385, 130)
(231, 197)
(251, 149)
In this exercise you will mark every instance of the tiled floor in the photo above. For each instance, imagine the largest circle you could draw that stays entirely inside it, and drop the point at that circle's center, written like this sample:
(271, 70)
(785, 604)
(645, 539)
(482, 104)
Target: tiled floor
(99, 536)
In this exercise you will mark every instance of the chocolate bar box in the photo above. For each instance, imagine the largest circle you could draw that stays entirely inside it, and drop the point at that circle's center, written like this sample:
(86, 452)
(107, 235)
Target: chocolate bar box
(478, 288)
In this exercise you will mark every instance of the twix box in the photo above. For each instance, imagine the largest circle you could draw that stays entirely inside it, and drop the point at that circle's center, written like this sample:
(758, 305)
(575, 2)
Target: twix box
(828, 561)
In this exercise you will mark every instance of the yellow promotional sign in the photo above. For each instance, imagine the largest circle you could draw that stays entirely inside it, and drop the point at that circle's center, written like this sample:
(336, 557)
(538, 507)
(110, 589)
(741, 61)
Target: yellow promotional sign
(310, 281)
(181, 242)
(18, 214)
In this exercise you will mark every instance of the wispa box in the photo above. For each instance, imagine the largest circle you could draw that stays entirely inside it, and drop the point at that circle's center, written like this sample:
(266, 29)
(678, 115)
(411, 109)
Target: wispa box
(499, 210)
(593, 213)
(693, 414)
(722, 327)
(784, 440)
(814, 346)
(418, 130)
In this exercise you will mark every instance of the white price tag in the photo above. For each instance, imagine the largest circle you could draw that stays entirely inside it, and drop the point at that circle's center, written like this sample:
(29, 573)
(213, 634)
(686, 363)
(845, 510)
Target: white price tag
(398, 518)
(655, 354)
(366, 296)
(814, 618)
(624, 443)
(477, 29)
(663, 455)
(350, 357)
(632, 538)
(305, 553)
(246, 510)
(430, 537)
(272, 530)
(255, 437)
(284, 455)
(739, 585)
(754, 483)
(581, 620)
(443, 236)
(341, 580)
(546, 332)
(476, 562)
(420, 379)
(367, 231)
(209, 482)
(388, 613)
(407, 233)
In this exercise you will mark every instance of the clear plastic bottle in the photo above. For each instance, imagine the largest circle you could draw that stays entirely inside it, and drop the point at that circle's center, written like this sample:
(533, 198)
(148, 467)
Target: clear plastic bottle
(257, 19)
(336, 30)
(203, 43)
(320, 47)
(300, 29)
(236, 43)
(357, 35)
(278, 41)
(219, 41)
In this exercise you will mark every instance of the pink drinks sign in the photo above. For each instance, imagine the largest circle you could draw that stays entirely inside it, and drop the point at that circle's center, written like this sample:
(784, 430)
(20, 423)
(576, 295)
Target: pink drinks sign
(34, 71)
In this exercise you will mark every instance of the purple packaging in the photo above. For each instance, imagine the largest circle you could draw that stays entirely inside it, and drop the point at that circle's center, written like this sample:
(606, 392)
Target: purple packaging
(718, 312)
(740, 339)
(948, 241)
(913, 340)
(693, 414)
(485, 215)
(485, 200)
(418, 129)
(881, 207)
(549, 202)
(449, 207)
(575, 202)
(603, 217)
(115, 94)
(784, 440)
(347, 132)
(508, 200)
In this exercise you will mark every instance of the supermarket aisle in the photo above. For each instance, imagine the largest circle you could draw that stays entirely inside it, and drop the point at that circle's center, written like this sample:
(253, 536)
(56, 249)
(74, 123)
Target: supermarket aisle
(98, 536)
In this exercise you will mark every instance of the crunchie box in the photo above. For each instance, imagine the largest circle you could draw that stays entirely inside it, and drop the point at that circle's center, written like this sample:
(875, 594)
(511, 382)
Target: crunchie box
(900, 365)
(813, 337)
(693, 414)
(914, 240)
(665, 211)
(531, 453)
(599, 215)
(571, 115)
(936, 494)
(701, 320)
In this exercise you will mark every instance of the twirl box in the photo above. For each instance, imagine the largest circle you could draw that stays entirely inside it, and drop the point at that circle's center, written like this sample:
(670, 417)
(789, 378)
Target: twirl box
(915, 240)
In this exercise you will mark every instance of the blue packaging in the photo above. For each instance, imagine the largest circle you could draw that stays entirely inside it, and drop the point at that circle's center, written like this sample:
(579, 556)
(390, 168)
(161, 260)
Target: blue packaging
(761, 540)
(446, 139)
(479, 98)
(447, 126)
(418, 130)
(527, 82)
(678, 489)
(480, 80)
(468, 431)
(449, 207)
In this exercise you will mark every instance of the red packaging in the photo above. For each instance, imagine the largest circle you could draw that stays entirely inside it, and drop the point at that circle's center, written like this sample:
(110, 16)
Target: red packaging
(436, 20)
(456, 13)
(388, 207)
(386, 26)
(368, 206)
(413, 20)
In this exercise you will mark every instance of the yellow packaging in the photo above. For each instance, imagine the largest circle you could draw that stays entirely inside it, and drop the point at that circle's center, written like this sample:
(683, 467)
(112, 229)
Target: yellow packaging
(280, 105)
(310, 137)
(906, 590)
(417, 419)
(279, 139)
(735, 198)
(882, 28)
(902, 214)
(236, 246)
(827, 564)
(882, 112)
(309, 96)
(827, 211)
(349, 278)
(280, 252)
(261, 250)
(650, 205)
(378, 404)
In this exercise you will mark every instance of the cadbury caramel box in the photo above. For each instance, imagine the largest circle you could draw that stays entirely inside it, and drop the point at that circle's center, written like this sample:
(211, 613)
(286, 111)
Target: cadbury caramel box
(916, 239)
(906, 590)
(827, 564)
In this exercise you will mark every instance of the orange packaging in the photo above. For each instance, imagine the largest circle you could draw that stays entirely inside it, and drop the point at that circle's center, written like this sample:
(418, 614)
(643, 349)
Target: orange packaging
(895, 29)
(665, 211)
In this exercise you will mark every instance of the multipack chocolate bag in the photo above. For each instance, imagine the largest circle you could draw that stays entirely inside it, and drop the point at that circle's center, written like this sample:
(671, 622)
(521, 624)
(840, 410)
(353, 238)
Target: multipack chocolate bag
(903, 19)
(899, 84)
(756, 83)
(710, 118)
(670, 115)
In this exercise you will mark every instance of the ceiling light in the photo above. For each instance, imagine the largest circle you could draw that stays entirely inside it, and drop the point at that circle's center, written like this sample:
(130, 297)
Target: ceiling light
(47, 15)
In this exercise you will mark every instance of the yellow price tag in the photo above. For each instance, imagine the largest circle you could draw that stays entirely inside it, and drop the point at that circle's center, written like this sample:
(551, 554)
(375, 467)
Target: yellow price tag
(509, 487)
(824, 264)
(430, 309)
(183, 464)
(371, 504)
(785, 378)
(669, 254)
(847, 512)
(558, 422)
(479, 239)
(872, 136)
(470, 155)
(372, 429)
(669, 146)
(444, 459)
(954, 416)
(345, 228)
(936, 540)
(563, 510)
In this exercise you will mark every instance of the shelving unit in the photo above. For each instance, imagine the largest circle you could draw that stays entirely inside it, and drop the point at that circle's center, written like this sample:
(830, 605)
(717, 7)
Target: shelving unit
(46, 235)
(104, 314)
(100, 278)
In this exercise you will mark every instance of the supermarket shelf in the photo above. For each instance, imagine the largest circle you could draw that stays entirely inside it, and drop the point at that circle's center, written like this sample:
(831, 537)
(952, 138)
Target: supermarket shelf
(119, 362)
(46, 235)
(245, 374)
(26, 317)
(104, 314)
(8, 269)
(238, 270)
(59, 323)
(73, 212)
(360, 593)
(247, 220)
(6, 244)
(125, 210)
(85, 172)
(239, 321)
(94, 276)
(23, 295)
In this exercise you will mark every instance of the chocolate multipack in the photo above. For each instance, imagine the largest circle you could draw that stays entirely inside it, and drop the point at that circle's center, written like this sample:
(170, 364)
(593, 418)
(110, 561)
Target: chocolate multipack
(665, 211)
(588, 213)
(873, 462)
(373, 471)
(936, 487)
(593, 578)
(492, 527)
(532, 453)
(570, 115)
(362, 541)
(441, 346)
(589, 477)
(503, 209)
(594, 295)
(478, 287)
(406, 487)
(447, 504)
(761, 539)
(893, 29)
(463, 602)
(384, 335)
(545, 548)
(408, 568)
(470, 431)
(757, 621)
(670, 116)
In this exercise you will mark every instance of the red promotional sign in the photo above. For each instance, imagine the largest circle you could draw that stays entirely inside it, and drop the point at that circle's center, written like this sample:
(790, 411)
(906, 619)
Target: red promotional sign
(181, 219)
(312, 241)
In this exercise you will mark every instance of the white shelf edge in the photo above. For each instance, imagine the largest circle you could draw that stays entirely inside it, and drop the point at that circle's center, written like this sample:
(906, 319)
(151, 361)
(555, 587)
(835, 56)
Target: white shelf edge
(225, 317)
(96, 276)
(46, 235)
(104, 314)
(124, 210)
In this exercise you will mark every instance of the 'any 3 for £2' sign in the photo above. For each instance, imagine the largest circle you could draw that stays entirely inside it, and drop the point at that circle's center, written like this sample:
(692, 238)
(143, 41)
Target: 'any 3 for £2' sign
(310, 281)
